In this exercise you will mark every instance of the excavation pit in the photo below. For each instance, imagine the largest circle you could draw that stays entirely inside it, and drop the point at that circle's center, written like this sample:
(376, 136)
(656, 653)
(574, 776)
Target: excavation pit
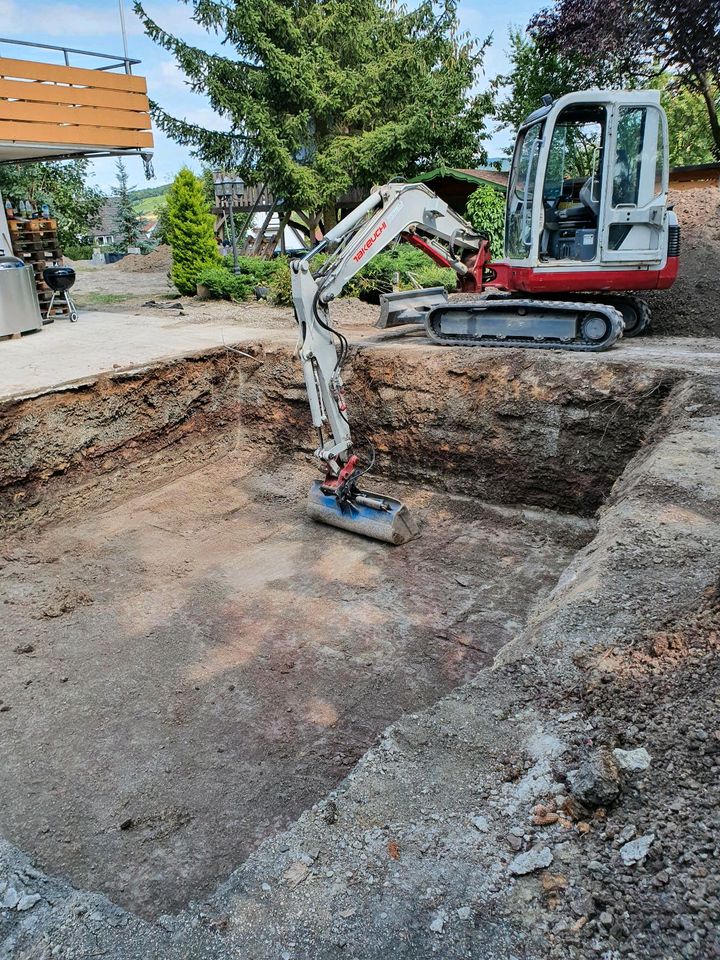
(191, 670)
(189, 662)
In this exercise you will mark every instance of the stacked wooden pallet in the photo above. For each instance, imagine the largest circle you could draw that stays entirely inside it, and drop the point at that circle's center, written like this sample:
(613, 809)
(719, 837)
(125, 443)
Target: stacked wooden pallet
(36, 242)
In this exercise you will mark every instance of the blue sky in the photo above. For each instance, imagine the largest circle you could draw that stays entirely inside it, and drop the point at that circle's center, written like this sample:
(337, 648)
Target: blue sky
(95, 25)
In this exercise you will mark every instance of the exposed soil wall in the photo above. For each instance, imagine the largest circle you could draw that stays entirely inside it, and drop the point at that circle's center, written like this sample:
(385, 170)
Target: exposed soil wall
(77, 446)
(692, 306)
(541, 429)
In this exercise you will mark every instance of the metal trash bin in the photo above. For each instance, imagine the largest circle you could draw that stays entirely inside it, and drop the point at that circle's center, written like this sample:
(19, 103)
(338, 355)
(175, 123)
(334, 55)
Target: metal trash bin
(19, 307)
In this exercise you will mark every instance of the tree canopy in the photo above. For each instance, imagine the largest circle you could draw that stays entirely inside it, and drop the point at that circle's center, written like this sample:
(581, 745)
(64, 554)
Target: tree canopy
(63, 186)
(537, 68)
(642, 38)
(323, 96)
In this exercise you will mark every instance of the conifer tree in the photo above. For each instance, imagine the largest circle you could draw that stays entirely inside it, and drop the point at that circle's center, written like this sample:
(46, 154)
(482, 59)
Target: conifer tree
(324, 95)
(189, 231)
(126, 221)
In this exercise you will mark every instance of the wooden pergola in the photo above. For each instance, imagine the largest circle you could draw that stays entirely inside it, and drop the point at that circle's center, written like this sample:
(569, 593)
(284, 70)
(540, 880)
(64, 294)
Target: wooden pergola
(256, 199)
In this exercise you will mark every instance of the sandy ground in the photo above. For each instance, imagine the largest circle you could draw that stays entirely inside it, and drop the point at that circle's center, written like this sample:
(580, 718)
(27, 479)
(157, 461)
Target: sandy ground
(133, 289)
(218, 663)
(692, 306)
(495, 824)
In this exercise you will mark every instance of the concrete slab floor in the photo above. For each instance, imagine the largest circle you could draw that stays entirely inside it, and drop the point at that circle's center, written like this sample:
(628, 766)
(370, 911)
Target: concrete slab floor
(102, 342)
(185, 673)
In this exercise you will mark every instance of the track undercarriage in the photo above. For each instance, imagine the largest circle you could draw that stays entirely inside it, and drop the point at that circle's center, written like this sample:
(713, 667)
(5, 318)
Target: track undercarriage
(583, 322)
(527, 323)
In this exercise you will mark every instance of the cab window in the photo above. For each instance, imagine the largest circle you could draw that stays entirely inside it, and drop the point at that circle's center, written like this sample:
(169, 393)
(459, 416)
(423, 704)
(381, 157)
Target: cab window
(518, 228)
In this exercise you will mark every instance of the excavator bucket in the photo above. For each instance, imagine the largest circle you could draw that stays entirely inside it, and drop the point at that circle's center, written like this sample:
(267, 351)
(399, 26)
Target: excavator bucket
(409, 306)
(369, 514)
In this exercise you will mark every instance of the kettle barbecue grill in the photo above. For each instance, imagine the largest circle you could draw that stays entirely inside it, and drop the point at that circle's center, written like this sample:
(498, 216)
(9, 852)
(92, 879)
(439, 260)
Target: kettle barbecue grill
(60, 280)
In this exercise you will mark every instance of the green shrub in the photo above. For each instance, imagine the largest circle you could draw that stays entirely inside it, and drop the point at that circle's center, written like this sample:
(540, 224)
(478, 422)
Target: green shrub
(262, 271)
(223, 284)
(280, 285)
(80, 251)
(414, 267)
(486, 212)
(189, 232)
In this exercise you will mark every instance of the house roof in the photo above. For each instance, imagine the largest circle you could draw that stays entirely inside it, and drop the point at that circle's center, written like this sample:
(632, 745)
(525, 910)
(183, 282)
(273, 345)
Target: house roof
(455, 185)
(107, 226)
(478, 177)
(701, 172)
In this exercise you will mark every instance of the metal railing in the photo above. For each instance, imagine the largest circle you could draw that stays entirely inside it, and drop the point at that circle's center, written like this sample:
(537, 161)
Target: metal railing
(117, 62)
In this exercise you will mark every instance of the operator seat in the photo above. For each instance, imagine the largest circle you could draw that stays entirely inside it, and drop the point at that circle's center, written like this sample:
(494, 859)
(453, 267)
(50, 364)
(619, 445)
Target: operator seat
(583, 214)
(562, 224)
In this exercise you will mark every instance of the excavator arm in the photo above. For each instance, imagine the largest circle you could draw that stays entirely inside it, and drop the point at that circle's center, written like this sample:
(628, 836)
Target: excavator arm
(394, 211)
(412, 212)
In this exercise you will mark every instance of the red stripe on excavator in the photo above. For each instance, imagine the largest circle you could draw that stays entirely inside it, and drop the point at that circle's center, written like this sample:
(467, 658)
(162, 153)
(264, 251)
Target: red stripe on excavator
(531, 280)
(431, 252)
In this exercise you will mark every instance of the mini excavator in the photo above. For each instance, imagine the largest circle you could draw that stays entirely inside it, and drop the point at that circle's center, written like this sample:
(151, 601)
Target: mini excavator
(587, 225)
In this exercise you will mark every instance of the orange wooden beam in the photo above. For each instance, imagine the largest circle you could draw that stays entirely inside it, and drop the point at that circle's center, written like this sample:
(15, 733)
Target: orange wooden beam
(79, 76)
(56, 113)
(80, 135)
(82, 96)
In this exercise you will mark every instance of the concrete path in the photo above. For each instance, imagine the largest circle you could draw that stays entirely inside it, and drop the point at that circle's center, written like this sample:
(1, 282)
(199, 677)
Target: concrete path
(102, 342)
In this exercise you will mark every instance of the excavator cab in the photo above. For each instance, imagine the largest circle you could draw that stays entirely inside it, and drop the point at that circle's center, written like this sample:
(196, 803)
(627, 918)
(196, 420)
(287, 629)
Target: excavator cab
(587, 194)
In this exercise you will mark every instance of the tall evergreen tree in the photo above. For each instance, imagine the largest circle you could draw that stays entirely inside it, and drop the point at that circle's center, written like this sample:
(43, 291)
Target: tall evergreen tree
(126, 221)
(323, 95)
(189, 231)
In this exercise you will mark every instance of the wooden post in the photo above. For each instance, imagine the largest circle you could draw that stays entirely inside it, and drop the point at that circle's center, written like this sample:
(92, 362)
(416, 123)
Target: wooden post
(248, 219)
(261, 234)
(281, 232)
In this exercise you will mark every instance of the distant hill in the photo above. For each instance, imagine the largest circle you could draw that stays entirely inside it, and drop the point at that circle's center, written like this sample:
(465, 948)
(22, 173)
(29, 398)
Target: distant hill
(149, 200)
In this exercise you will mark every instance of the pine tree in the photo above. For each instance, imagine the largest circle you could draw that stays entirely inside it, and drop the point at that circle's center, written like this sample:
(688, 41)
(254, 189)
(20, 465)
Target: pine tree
(189, 231)
(324, 95)
(125, 218)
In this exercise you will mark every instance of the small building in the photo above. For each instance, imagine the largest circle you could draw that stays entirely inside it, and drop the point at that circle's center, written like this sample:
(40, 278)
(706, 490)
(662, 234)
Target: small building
(104, 233)
(455, 185)
(695, 175)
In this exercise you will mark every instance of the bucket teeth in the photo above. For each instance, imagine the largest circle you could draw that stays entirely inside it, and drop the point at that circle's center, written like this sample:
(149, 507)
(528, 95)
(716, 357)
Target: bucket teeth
(392, 524)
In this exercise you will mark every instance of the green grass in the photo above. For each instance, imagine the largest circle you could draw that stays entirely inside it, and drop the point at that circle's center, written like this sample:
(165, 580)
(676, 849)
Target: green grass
(148, 205)
(100, 299)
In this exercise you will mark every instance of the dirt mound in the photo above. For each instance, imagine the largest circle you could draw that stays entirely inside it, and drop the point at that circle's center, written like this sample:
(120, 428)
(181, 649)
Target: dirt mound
(158, 259)
(692, 307)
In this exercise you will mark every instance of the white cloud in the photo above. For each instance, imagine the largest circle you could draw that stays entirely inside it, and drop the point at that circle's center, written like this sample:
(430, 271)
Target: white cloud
(164, 76)
(66, 21)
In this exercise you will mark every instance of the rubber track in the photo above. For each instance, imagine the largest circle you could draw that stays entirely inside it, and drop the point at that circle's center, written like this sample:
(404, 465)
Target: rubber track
(616, 300)
(511, 307)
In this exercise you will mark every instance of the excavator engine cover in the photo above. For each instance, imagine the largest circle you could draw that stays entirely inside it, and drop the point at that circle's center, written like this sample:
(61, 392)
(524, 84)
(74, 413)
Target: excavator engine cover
(369, 514)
